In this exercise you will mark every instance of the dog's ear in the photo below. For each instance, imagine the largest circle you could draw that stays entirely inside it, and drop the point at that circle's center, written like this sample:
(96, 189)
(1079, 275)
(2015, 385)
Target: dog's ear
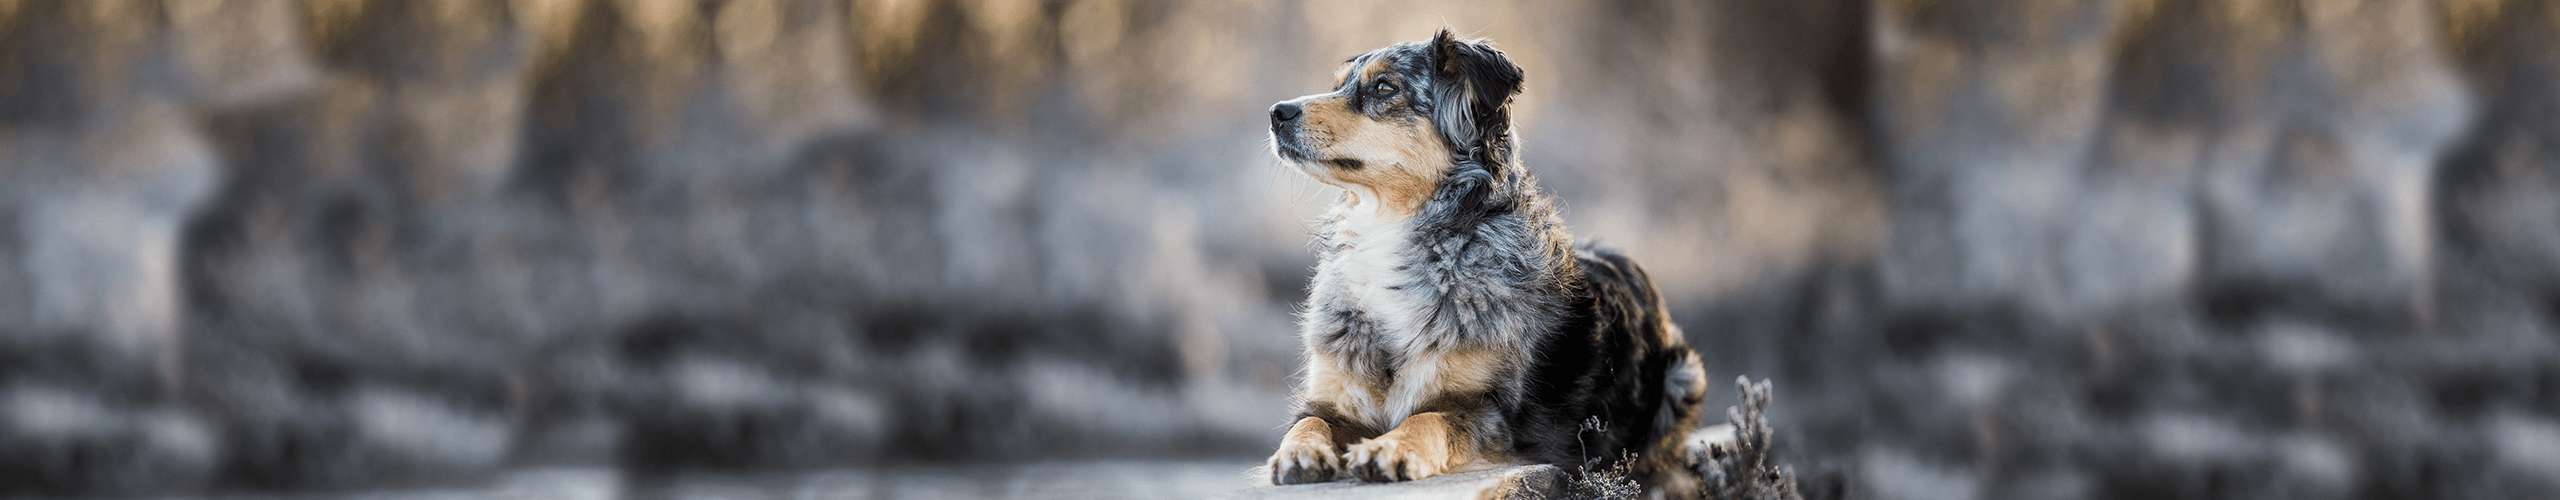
(1473, 85)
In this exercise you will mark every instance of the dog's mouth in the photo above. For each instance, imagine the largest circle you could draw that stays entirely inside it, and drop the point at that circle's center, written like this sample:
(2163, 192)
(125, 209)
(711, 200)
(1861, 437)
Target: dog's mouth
(1290, 150)
(1286, 144)
(1302, 157)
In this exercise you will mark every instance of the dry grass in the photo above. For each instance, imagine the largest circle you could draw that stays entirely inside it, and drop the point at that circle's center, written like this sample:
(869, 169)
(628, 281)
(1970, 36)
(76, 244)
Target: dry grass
(1745, 467)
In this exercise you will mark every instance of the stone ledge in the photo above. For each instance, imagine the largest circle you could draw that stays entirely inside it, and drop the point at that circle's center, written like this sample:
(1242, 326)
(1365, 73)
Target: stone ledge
(1497, 482)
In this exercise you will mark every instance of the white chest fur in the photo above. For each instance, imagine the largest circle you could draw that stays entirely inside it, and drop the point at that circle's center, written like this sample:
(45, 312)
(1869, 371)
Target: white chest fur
(1375, 273)
(1372, 274)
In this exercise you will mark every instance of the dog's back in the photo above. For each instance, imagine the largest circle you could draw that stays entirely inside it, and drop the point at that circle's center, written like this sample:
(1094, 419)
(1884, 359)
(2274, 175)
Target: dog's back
(1616, 378)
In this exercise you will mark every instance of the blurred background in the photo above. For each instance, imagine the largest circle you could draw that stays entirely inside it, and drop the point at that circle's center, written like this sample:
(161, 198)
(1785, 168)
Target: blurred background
(2095, 249)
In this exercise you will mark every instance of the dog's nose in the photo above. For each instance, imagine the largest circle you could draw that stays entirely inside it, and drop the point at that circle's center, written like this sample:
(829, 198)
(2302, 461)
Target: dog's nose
(1284, 112)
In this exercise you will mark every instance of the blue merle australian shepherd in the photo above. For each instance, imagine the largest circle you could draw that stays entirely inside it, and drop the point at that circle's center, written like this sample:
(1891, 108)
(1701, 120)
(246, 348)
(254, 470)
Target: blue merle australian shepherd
(1452, 322)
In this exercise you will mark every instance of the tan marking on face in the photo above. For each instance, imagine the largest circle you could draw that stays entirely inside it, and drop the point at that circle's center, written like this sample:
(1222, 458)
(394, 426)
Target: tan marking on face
(1369, 72)
(1401, 157)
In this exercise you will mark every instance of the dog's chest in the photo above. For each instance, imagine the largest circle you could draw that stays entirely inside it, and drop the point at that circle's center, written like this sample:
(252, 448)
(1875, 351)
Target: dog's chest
(1372, 285)
(1373, 274)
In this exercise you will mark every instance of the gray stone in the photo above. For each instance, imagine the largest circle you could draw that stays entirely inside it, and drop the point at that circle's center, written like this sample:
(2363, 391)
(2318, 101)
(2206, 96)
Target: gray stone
(1504, 482)
(2333, 173)
(2499, 208)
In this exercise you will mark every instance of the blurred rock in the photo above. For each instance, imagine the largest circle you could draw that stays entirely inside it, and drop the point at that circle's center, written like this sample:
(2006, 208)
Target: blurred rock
(2130, 248)
(234, 52)
(2495, 200)
(1891, 473)
(1984, 142)
(2330, 172)
(100, 168)
(63, 438)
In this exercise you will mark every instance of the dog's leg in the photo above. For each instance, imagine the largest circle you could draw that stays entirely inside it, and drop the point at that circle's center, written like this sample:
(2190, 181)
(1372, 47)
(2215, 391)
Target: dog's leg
(1307, 454)
(1425, 445)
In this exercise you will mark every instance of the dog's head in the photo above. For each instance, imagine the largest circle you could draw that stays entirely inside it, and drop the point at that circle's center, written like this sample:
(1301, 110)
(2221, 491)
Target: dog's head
(1407, 124)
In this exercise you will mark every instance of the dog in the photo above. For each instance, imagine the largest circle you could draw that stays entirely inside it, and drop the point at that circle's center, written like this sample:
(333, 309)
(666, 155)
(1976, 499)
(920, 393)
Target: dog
(1452, 322)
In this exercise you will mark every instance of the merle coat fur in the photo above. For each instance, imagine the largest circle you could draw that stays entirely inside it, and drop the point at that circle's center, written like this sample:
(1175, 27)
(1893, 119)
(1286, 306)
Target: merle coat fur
(1452, 321)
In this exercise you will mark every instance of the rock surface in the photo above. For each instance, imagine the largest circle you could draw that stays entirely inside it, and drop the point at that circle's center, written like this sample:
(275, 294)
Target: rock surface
(1504, 482)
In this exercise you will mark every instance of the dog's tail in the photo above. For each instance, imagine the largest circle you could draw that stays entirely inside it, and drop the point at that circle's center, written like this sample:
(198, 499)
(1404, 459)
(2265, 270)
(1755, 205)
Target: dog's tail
(1671, 455)
(1684, 390)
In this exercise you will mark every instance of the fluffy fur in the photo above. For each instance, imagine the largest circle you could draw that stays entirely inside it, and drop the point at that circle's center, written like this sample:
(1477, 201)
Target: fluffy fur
(1452, 321)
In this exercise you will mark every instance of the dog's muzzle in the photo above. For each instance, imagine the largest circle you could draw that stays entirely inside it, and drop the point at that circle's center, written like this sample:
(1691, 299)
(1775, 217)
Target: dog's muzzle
(1284, 129)
(1285, 113)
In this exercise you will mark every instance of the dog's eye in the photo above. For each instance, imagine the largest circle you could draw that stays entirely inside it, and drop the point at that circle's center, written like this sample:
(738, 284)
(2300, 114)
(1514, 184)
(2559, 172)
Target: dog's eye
(1383, 89)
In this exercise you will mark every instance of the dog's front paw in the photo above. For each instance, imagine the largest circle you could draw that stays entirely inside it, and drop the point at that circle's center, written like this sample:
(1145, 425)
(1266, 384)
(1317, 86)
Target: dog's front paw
(1300, 461)
(1388, 459)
